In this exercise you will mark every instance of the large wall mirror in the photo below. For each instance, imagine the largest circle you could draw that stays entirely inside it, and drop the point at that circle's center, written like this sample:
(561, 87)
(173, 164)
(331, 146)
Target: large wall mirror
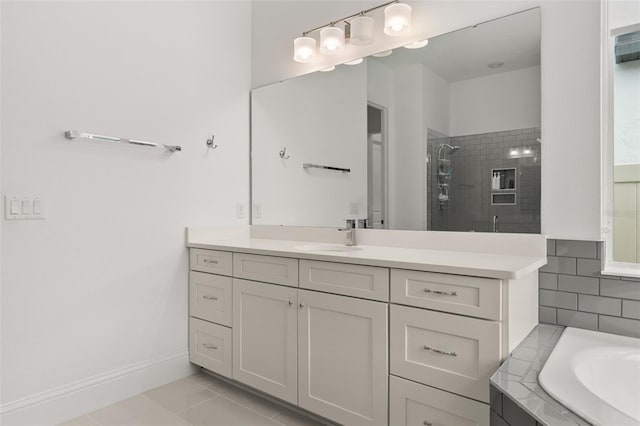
(445, 137)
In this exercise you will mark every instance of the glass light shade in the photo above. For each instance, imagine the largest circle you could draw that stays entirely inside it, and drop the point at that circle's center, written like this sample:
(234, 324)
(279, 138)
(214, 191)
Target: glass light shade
(417, 44)
(331, 41)
(383, 54)
(397, 19)
(354, 62)
(304, 49)
(328, 69)
(362, 30)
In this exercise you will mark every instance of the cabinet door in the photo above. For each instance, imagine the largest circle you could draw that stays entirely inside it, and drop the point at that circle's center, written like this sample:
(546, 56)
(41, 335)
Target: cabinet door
(265, 338)
(210, 297)
(270, 269)
(367, 282)
(210, 346)
(412, 404)
(211, 261)
(450, 352)
(342, 351)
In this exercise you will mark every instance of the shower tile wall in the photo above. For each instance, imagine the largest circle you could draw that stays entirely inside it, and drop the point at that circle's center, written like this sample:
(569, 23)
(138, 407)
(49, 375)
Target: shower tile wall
(469, 207)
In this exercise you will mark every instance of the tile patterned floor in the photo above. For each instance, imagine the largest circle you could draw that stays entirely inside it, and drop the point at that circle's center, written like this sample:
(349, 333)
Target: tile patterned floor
(200, 400)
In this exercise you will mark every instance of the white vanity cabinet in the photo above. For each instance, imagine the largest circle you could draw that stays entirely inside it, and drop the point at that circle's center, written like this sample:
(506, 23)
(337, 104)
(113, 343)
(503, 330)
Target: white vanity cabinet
(327, 353)
(357, 344)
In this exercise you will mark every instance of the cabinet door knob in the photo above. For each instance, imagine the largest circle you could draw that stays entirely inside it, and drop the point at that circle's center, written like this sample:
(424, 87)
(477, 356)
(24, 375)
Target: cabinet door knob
(427, 423)
(290, 303)
(301, 305)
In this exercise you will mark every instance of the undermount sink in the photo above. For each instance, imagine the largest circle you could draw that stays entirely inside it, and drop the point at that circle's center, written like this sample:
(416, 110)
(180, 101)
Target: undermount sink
(327, 247)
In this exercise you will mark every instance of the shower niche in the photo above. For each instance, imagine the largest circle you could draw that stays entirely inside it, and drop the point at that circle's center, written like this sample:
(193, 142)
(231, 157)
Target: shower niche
(503, 181)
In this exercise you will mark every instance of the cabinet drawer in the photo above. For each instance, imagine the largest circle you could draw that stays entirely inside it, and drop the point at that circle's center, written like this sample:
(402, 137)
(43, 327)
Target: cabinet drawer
(210, 297)
(270, 269)
(450, 352)
(210, 346)
(414, 404)
(478, 297)
(368, 282)
(212, 261)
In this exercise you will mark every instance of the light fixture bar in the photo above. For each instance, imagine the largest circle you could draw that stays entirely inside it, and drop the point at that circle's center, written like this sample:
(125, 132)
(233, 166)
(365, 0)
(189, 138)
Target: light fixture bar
(362, 12)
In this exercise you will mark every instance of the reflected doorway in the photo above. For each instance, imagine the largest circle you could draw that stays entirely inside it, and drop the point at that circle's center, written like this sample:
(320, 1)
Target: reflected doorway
(376, 166)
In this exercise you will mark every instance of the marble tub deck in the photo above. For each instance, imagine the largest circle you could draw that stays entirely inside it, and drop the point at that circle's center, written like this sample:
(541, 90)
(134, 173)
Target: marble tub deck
(517, 378)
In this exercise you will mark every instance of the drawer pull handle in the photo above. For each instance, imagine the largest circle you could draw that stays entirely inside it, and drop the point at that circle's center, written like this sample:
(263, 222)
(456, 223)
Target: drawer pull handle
(210, 346)
(427, 423)
(215, 262)
(443, 293)
(438, 351)
(209, 297)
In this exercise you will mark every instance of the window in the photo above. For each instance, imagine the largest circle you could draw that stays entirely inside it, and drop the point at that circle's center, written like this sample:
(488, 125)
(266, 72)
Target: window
(621, 137)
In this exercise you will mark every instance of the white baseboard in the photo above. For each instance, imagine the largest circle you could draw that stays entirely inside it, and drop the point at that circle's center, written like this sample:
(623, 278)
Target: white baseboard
(75, 399)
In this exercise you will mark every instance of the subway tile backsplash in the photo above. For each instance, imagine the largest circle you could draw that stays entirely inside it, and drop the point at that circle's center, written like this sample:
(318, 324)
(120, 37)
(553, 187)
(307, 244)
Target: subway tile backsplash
(573, 292)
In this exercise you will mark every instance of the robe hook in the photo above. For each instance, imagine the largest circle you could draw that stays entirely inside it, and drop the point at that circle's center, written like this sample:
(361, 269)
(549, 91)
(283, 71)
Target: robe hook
(210, 143)
(283, 154)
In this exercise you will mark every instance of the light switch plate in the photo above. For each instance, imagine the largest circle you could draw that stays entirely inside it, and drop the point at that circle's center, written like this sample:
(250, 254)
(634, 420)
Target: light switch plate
(240, 211)
(23, 208)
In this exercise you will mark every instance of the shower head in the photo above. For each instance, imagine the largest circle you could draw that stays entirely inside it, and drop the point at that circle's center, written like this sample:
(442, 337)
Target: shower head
(452, 149)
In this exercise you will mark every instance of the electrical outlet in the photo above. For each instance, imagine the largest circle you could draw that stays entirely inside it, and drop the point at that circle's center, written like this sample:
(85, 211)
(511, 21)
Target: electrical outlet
(257, 211)
(240, 211)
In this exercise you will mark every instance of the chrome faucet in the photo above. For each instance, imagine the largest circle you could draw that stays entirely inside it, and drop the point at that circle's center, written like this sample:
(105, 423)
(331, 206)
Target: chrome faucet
(350, 232)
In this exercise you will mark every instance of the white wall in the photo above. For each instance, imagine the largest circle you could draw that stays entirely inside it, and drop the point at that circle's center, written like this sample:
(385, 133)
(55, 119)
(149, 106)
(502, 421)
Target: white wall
(570, 74)
(321, 118)
(504, 101)
(101, 284)
(436, 101)
(409, 139)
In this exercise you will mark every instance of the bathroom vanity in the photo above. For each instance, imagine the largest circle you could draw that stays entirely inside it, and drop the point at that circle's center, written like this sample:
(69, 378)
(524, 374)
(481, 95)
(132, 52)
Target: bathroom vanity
(372, 334)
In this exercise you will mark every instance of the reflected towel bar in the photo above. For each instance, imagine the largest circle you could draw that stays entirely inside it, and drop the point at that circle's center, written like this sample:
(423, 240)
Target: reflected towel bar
(318, 166)
(72, 134)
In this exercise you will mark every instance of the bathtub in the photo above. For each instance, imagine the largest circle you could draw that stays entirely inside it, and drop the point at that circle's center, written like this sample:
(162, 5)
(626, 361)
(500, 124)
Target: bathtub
(596, 375)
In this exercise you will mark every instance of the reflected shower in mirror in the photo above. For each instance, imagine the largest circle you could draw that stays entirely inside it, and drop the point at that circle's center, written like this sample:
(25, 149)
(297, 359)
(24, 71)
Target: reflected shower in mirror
(443, 138)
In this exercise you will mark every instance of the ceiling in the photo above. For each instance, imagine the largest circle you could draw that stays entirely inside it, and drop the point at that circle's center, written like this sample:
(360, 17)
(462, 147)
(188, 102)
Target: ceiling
(465, 54)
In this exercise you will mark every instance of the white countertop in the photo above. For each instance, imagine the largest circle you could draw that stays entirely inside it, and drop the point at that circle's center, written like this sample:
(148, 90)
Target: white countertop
(451, 262)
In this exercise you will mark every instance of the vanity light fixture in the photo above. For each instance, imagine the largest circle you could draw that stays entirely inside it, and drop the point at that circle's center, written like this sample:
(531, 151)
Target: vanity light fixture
(397, 19)
(359, 30)
(417, 44)
(331, 41)
(362, 30)
(304, 49)
(327, 69)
